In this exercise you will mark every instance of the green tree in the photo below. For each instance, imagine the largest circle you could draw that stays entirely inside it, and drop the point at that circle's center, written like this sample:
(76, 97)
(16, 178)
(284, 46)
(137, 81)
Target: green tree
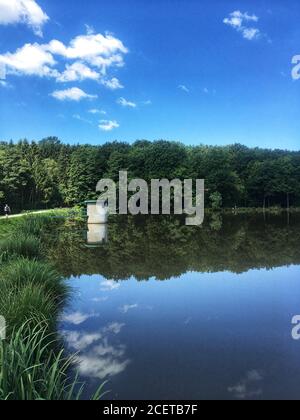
(216, 200)
(46, 177)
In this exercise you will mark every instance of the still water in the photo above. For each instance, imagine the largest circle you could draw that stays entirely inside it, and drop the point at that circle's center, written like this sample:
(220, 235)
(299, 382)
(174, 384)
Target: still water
(165, 311)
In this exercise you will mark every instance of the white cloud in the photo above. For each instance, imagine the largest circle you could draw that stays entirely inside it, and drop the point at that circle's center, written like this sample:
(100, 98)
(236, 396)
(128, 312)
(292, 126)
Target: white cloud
(76, 318)
(251, 33)
(112, 84)
(100, 359)
(114, 328)
(100, 299)
(148, 102)
(125, 103)
(126, 308)
(101, 51)
(72, 94)
(103, 361)
(23, 11)
(183, 88)
(78, 72)
(237, 18)
(32, 59)
(92, 56)
(95, 111)
(80, 341)
(80, 118)
(108, 285)
(248, 387)
(240, 21)
(107, 125)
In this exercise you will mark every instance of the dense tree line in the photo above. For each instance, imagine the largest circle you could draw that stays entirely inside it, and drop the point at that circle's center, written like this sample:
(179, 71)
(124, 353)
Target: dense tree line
(49, 173)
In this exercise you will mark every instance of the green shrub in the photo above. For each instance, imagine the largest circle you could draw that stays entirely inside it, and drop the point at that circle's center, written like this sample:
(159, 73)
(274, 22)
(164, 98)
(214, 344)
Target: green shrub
(21, 272)
(30, 302)
(32, 225)
(19, 245)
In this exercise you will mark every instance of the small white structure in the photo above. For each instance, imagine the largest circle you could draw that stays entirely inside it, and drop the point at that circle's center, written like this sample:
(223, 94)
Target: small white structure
(97, 213)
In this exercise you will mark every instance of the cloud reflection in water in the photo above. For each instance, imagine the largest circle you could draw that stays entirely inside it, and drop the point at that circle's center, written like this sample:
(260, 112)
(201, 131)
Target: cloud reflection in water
(97, 357)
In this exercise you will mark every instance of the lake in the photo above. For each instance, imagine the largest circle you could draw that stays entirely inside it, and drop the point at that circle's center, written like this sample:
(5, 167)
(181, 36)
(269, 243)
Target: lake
(165, 311)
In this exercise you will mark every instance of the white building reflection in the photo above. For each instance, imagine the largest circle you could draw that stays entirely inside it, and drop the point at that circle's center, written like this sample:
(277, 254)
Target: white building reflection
(97, 235)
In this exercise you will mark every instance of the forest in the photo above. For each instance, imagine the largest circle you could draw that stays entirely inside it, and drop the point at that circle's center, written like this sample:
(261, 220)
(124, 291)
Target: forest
(49, 173)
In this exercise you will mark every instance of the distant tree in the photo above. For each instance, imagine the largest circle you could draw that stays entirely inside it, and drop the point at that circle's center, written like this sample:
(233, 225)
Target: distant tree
(16, 182)
(117, 162)
(81, 179)
(261, 181)
(165, 160)
(46, 177)
(285, 179)
(216, 200)
(49, 147)
(214, 164)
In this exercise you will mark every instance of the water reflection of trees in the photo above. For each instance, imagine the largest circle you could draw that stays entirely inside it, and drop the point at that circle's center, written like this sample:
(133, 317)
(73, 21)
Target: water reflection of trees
(163, 247)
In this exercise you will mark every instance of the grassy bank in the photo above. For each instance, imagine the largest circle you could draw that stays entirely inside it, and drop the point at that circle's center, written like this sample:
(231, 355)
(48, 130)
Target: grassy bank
(33, 364)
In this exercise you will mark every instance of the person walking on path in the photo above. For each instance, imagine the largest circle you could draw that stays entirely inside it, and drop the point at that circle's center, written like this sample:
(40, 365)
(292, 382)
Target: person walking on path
(7, 210)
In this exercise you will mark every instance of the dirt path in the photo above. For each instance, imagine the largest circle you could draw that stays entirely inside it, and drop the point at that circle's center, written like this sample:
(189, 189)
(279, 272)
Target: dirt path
(13, 216)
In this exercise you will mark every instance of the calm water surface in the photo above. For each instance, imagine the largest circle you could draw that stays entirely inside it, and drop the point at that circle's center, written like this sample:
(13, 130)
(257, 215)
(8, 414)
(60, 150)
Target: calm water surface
(164, 311)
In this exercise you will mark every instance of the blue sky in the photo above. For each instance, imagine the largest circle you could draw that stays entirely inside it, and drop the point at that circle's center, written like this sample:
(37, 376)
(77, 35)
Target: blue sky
(197, 71)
